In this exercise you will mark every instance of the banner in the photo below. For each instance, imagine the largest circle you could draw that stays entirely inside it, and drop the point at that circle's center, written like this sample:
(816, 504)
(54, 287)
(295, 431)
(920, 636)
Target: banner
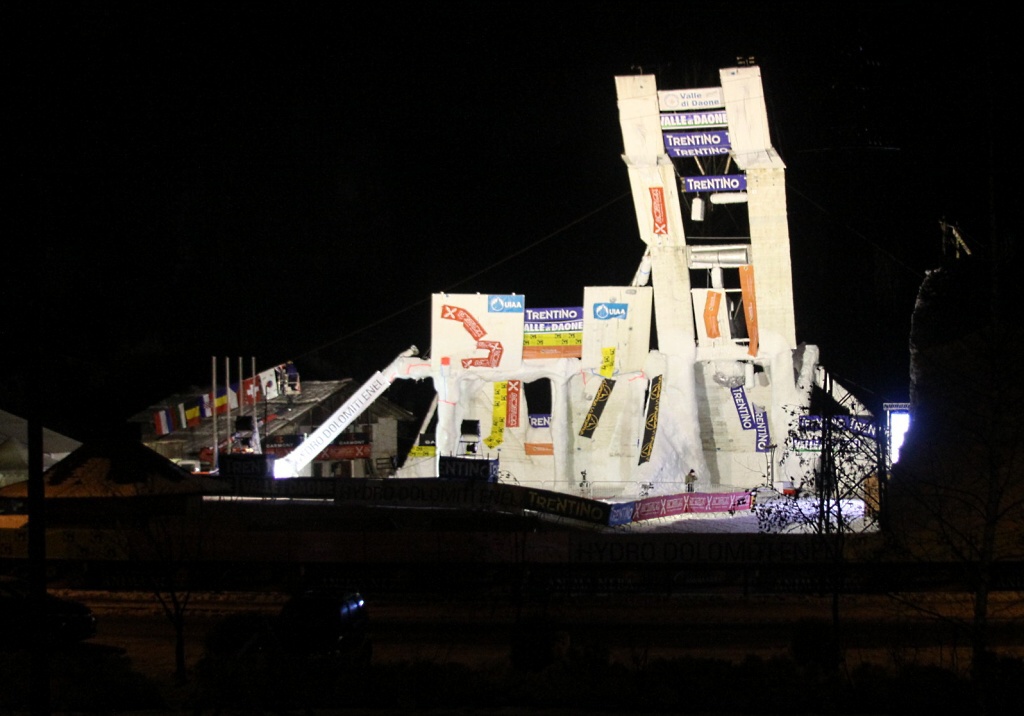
(689, 502)
(658, 213)
(553, 333)
(696, 144)
(539, 448)
(723, 182)
(593, 415)
(695, 99)
(762, 439)
(711, 306)
(498, 407)
(651, 422)
(513, 394)
(607, 369)
(749, 305)
(345, 452)
(685, 120)
(739, 399)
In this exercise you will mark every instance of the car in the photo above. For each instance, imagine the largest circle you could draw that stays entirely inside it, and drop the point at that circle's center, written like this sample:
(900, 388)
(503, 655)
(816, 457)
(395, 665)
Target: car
(324, 621)
(312, 623)
(67, 621)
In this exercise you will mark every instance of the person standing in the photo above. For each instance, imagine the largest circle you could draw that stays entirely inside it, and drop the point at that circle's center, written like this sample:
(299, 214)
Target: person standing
(691, 479)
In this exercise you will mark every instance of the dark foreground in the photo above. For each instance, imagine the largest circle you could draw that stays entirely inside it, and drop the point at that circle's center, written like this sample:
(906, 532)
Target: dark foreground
(636, 655)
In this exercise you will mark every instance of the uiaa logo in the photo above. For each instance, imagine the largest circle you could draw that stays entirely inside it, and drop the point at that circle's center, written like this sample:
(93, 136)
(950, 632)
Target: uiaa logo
(608, 311)
(505, 304)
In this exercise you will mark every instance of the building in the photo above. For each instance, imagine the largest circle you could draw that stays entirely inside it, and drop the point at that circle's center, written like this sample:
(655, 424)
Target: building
(272, 421)
(14, 448)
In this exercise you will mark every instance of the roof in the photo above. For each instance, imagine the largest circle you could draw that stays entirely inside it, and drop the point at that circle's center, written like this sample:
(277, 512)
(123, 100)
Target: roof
(14, 427)
(14, 448)
(118, 466)
(285, 414)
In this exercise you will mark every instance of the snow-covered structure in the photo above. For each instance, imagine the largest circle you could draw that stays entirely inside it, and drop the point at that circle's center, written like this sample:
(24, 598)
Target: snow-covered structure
(725, 386)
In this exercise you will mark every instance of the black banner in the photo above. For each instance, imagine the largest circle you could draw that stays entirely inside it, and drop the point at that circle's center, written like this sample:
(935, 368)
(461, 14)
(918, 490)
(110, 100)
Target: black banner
(468, 468)
(651, 423)
(604, 391)
(246, 465)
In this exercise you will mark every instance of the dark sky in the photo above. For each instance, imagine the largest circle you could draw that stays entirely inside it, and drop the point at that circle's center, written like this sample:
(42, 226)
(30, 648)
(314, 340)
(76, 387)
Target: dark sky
(293, 181)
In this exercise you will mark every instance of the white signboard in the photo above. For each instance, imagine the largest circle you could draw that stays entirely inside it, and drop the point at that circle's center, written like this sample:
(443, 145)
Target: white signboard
(477, 331)
(616, 328)
(691, 99)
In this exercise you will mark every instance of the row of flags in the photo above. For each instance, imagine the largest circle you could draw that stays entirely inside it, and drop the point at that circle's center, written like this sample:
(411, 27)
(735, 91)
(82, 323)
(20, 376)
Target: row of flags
(190, 413)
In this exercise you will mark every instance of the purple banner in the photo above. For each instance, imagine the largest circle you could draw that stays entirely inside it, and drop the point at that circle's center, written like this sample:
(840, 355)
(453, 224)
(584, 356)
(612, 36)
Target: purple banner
(761, 437)
(696, 144)
(682, 120)
(739, 398)
(688, 502)
(540, 420)
(557, 315)
(621, 514)
(723, 182)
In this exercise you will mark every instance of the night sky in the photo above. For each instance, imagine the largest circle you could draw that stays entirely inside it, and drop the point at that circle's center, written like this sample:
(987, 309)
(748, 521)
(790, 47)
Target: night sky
(293, 181)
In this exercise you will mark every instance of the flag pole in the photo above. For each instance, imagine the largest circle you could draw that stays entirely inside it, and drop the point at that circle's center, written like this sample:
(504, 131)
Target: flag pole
(213, 407)
(227, 395)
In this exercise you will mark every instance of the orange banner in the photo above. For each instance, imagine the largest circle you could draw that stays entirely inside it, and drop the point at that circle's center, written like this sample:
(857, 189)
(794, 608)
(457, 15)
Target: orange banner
(539, 448)
(544, 352)
(749, 305)
(711, 304)
(512, 395)
(658, 213)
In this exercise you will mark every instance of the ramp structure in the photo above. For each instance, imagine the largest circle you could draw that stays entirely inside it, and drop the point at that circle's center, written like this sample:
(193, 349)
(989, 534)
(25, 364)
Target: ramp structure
(716, 383)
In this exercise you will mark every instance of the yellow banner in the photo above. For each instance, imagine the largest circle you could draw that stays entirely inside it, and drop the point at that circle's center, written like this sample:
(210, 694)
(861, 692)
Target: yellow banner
(607, 362)
(538, 346)
(497, 436)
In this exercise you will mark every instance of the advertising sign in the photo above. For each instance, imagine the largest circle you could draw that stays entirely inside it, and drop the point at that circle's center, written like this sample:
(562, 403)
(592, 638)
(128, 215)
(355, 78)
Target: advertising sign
(593, 416)
(712, 302)
(513, 399)
(464, 468)
(553, 333)
(691, 99)
(616, 317)
(749, 306)
(739, 399)
(476, 330)
(696, 144)
(688, 120)
(651, 421)
(725, 182)
(762, 438)
(659, 216)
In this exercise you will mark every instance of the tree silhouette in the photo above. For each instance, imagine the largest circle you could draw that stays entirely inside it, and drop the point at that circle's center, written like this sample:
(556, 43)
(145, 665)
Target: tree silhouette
(957, 494)
(843, 499)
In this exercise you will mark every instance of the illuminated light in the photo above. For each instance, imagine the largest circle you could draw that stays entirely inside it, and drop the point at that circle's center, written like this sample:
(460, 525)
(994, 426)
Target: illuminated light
(899, 424)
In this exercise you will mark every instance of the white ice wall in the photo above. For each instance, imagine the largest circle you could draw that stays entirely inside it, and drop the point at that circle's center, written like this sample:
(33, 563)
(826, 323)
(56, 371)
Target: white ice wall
(697, 424)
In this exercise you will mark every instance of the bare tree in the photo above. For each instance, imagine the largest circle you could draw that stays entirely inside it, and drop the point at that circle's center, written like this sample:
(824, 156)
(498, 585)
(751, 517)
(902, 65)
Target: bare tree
(153, 510)
(957, 493)
(842, 501)
(170, 544)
